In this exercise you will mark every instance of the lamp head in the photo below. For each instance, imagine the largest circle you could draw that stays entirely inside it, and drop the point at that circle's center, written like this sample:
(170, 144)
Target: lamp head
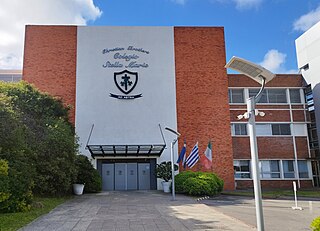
(173, 131)
(252, 70)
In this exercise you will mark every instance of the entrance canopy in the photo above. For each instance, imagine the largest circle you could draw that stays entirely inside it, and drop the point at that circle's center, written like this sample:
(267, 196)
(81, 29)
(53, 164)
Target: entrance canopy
(126, 150)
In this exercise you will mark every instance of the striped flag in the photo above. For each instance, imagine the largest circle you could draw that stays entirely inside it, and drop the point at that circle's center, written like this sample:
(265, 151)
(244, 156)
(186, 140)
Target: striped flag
(182, 153)
(207, 158)
(193, 157)
(208, 152)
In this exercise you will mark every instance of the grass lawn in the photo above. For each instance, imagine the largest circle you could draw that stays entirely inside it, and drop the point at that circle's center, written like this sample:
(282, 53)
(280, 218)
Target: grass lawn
(315, 193)
(14, 221)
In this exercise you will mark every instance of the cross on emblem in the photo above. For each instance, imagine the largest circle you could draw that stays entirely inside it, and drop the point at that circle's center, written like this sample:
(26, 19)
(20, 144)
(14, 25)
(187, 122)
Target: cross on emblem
(126, 80)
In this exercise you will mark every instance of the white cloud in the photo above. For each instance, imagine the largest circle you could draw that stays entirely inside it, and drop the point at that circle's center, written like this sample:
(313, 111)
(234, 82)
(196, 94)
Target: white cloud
(274, 61)
(242, 4)
(247, 4)
(308, 20)
(180, 2)
(15, 14)
(239, 4)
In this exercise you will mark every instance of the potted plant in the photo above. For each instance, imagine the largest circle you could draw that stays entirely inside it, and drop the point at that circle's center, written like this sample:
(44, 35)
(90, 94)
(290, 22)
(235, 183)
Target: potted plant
(163, 171)
(78, 188)
(86, 176)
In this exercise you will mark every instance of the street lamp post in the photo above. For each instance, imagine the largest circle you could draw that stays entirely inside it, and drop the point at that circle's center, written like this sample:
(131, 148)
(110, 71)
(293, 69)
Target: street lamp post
(261, 75)
(172, 160)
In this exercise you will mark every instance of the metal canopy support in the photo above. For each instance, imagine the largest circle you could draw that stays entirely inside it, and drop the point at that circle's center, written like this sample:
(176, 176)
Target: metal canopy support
(126, 150)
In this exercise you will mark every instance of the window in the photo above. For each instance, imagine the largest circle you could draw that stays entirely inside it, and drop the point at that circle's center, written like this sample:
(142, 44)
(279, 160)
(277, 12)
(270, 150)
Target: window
(281, 129)
(277, 96)
(236, 96)
(288, 169)
(269, 169)
(270, 95)
(263, 98)
(263, 130)
(272, 169)
(241, 168)
(303, 169)
(273, 129)
(295, 95)
(239, 129)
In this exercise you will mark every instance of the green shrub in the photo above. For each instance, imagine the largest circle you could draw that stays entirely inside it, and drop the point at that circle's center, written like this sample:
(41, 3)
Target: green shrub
(181, 178)
(4, 181)
(18, 186)
(35, 127)
(198, 183)
(88, 175)
(315, 224)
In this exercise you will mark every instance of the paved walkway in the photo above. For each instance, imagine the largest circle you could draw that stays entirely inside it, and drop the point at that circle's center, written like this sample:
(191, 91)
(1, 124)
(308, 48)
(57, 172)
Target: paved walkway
(138, 210)
(278, 214)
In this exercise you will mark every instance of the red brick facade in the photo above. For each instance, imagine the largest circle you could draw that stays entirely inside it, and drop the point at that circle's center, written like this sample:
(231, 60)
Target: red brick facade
(49, 63)
(202, 96)
(203, 111)
(282, 80)
(271, 147)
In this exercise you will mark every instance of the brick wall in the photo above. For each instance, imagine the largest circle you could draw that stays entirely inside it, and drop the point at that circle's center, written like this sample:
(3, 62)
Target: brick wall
(202, 95)
(281, 80)
(270, 116)
(298, 116)
(50, 61)
(268, 147)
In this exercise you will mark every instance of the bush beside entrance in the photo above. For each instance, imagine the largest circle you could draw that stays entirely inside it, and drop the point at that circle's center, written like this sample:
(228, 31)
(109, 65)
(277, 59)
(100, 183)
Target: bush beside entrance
(87, 175)
(198, 183)
(37, 146)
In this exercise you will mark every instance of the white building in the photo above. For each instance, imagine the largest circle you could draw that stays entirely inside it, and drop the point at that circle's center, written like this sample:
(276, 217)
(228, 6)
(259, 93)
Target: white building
(308, 57)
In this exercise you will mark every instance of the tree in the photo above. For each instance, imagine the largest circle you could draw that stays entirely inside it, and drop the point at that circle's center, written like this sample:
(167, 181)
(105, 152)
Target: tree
(44, 135)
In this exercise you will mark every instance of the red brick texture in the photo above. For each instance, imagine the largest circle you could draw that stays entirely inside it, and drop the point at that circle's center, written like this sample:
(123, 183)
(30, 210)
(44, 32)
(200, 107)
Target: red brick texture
(298, 116)
(50, 61)
(268, 148)
(270, 116)
(302, 147)
(202, 96)
(271, 147)
(282, 80)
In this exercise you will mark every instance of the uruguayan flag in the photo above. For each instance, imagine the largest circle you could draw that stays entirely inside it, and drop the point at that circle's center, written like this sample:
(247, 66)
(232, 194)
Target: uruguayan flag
(193, 157)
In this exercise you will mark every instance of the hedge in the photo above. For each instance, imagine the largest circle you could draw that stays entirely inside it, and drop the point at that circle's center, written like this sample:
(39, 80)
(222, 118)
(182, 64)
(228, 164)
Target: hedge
(198, 183)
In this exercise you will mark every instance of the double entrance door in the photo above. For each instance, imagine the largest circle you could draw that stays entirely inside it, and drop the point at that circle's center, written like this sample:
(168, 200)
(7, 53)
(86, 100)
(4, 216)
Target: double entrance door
(125, 176)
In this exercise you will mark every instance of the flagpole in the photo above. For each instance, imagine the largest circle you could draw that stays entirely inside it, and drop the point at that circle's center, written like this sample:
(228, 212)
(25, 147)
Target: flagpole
(172, 172)
(171, 157)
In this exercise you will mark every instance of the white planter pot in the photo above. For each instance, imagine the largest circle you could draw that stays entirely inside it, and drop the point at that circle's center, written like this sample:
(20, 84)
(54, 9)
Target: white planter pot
(166, 186)
(78, 189)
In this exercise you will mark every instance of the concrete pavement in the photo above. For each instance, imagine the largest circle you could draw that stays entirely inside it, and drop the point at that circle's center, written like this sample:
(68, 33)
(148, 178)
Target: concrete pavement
(278, 214)
(135, 210)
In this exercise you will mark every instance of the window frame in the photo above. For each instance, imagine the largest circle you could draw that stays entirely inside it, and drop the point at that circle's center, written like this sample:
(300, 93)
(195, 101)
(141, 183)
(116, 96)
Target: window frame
(231, 94)
(267, 95)
(299, 95)
(242, 172)
(269, 129)
(307, 170)
(281, 132)
(281, 167)
(289, 172)
(271, 172)
(233, 129)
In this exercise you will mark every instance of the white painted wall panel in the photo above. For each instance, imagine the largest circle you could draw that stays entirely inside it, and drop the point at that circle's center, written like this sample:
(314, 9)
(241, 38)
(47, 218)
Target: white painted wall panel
(119, 121)
(300, 129)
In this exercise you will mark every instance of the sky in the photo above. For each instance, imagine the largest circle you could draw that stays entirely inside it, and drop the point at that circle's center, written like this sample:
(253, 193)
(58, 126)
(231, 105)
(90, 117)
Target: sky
(262, 31)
